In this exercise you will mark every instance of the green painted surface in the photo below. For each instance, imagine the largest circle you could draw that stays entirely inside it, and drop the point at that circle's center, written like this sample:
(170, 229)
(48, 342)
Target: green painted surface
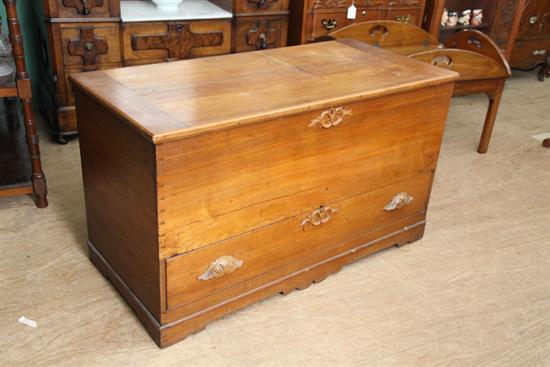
(25, 12)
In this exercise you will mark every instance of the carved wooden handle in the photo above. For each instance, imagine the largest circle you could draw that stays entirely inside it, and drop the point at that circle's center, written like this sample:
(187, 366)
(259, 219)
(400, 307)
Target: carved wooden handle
(398, 201)
(330, 118)
(221, 266)
(319, 216)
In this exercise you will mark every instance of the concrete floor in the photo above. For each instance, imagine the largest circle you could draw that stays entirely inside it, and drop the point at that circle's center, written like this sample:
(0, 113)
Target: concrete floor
(475, 291)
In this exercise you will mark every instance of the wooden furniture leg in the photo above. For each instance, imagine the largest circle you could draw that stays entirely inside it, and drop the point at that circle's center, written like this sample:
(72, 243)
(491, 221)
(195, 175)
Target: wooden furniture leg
(25, 95)
(544, 71)
(494, 102)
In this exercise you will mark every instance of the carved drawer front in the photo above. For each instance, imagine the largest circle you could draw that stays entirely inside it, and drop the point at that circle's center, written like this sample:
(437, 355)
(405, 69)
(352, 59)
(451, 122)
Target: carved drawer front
(528, 54)
(535, 21)
(260, 33)
(82, 8)
(168, 41)
(214, 273)
(285, 168)
(409, 15)
(259, 6)
(88, 46)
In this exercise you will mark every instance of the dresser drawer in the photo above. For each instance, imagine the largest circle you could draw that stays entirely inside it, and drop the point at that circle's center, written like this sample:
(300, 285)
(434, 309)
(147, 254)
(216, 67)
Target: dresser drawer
(81, 8)
(323, 23)
(259, 6)
(150, 42)
(211, 273)
(264, 173)
(406, 15)
(259, 33)
(87, 46)
(528, 54)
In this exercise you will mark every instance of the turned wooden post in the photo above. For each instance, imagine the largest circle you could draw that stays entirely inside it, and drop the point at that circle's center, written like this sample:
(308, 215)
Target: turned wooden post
(25, 95)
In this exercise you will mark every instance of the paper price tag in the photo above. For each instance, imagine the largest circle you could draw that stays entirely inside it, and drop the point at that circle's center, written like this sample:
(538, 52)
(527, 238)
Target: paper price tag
(352, 11)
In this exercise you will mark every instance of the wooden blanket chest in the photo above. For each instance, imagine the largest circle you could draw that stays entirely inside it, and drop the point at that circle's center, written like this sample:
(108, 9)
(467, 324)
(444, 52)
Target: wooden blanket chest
(216, 182)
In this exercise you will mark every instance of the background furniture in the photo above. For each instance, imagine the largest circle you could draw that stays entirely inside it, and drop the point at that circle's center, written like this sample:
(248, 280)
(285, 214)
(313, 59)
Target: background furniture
(220, 207)
(521, 28)
(20, 164)
(482, 67)
(85, 35)
(311, 19)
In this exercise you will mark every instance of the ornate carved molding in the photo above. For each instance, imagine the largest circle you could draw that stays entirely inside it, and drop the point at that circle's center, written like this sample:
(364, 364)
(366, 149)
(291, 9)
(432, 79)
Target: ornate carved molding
(221, 266)
(404, 3)
(331, 117)
(82, 6)
(328, 4)
(88, 47)
(178, 41)
(262, 36)
(262, 4)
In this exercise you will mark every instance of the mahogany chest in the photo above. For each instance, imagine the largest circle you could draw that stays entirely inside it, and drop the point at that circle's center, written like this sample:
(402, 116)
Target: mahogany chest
(213, 183)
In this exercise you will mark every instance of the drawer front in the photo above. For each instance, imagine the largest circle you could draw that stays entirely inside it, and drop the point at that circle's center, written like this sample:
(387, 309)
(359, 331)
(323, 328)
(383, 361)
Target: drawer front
(82, 8)
(528, 54)
(260, 33)
(164, 41)
(406, 15)
(211, 272)
(259, 6)
(221, 184)
(89, 46)
(535, 21)
(322, 23)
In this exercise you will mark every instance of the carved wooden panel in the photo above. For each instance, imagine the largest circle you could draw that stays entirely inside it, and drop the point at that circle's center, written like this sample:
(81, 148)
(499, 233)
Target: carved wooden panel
(83, 6)
(178, 40)
(88, 47)
(328, 4)
(263, 36)
(394, 3)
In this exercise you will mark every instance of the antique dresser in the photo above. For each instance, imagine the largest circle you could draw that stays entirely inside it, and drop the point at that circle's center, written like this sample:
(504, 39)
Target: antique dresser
(311, 19)
(210, 185)
(87, 35)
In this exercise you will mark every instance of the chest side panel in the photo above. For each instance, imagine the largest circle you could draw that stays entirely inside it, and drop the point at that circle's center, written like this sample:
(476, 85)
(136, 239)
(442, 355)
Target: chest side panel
(118, 168)
(224, 183)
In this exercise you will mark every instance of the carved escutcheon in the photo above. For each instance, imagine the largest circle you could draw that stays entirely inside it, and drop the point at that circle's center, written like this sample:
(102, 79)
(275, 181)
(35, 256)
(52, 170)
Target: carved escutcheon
(262, 4)
(330, 118)
(88, 47)
(221, 266)
(319, 216)
(82, 6)
(398, 201)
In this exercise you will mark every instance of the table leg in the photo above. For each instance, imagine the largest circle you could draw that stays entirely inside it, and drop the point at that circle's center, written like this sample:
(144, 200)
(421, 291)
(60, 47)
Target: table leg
(494, 103)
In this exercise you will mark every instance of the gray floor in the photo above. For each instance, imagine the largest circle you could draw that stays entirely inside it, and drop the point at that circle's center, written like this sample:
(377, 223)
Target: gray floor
(474, 292)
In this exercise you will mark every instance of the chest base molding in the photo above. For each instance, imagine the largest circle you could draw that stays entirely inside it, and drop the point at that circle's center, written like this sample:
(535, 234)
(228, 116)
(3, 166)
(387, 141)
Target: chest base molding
(170, 333)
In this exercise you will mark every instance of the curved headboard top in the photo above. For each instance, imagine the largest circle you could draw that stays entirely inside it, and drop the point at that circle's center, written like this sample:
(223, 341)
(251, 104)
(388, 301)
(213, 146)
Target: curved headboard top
(388, 34)
(476, 41)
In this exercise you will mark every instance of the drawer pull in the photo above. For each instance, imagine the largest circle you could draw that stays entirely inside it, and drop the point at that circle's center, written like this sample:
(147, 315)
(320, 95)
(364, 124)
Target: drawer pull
(319, 216)
(331, 117)
(329, 24)
(533, 20)
(221, 266)
(404, 19)
(398, 201)
(262, 4)
(539, 52)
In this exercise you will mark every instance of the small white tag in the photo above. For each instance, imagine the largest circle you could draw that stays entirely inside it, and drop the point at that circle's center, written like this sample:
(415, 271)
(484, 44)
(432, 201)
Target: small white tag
(27, 322)
(352, 12)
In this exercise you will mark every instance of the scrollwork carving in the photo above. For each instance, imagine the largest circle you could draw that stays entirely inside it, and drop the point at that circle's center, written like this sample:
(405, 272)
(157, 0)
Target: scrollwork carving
(221, 266)
(330, 118)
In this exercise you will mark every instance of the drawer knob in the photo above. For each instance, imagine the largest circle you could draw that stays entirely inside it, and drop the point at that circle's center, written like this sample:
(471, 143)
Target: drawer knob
(331, 117)
(221, 266)
(319, 216)
(329, 24)
(539, 52)
(533, 20)
(398, 201)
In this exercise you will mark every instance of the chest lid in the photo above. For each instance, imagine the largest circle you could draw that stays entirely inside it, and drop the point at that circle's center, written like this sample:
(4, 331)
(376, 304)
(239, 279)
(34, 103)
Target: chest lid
(170, 101)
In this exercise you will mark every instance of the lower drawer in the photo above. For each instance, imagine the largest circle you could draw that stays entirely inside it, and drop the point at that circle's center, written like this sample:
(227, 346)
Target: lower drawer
(212, 273)
(528, 54)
